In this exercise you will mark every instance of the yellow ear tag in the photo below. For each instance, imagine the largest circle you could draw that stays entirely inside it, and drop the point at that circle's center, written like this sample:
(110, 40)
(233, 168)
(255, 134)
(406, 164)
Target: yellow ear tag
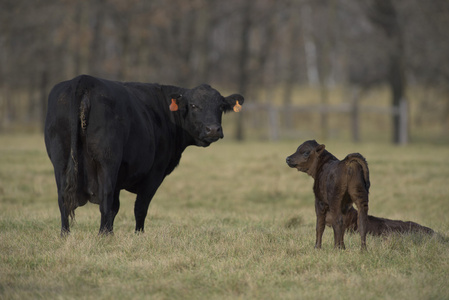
(173, 105)
(237, 106)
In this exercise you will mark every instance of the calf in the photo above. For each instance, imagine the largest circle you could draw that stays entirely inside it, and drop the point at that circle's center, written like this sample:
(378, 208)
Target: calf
(338, 184)
(381, 226)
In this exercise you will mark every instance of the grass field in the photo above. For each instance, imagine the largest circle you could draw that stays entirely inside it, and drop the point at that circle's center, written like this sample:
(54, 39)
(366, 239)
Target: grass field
(232, 221)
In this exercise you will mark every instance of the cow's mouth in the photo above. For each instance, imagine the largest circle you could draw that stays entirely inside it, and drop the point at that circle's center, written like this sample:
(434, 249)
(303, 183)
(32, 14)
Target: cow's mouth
(206, 141)
(211, 139)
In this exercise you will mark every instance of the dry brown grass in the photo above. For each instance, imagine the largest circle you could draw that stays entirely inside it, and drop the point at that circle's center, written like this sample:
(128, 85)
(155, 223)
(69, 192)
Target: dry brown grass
(232, 221)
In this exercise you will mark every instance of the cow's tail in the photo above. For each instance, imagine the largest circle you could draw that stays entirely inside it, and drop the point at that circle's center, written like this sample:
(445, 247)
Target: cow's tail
(78, 113)
(358, 158)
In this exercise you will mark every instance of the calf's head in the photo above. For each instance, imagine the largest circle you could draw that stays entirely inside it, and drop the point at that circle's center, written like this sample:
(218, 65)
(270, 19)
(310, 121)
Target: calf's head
(202, 109)
(306, 157)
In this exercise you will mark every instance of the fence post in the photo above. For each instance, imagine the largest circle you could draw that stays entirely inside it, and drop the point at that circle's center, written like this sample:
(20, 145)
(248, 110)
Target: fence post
(273, 122)
(403, 121)
(355, 119)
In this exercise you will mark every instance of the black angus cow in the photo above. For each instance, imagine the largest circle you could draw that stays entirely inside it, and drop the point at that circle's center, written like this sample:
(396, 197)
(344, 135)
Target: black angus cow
(104, 136)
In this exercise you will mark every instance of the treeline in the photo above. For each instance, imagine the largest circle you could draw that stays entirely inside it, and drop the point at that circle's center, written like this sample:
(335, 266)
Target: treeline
(241, 45)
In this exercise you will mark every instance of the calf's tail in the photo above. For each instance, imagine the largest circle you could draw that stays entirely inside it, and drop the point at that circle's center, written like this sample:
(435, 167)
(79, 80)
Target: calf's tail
(358, 158)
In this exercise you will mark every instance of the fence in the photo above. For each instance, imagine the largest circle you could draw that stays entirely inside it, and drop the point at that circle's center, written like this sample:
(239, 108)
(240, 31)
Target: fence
(352, 110)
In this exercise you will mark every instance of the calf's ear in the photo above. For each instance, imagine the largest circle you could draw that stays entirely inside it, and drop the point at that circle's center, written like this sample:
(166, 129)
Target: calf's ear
(234, 102)
(319, 149)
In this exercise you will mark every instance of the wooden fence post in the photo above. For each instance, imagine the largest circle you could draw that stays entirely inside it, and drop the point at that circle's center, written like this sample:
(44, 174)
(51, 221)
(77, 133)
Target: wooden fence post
(403, 121)
(355, 119)
(273, 116)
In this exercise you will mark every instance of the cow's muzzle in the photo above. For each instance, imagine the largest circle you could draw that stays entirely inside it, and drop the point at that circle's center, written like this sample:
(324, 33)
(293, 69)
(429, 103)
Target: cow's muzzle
(213, 132)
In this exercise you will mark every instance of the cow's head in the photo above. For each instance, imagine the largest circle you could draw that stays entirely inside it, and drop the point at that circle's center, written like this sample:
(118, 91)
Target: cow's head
(306, 157)
(202, 108)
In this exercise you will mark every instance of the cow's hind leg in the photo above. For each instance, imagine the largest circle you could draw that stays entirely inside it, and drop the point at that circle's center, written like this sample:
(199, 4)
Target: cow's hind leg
(109, 199)
(65, 226)
(107, 218)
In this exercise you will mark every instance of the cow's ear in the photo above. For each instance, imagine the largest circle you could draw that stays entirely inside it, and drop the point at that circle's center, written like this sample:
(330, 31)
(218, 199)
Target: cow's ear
(234, 102)
(319, 149)
(175, 101)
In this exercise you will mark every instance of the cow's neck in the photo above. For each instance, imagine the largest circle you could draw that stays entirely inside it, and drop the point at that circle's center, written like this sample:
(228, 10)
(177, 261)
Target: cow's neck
(180, 139)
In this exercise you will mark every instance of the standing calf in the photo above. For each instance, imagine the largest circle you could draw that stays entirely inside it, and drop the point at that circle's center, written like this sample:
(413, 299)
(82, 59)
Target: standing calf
(338, 184)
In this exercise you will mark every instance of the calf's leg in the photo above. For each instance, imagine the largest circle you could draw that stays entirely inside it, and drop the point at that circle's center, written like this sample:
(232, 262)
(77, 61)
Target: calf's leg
(320, 223)
(363, 221)
(360, 198)
(339, 231)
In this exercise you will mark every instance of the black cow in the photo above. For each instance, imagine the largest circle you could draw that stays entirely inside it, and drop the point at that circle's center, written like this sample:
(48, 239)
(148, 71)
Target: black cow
(104, 136)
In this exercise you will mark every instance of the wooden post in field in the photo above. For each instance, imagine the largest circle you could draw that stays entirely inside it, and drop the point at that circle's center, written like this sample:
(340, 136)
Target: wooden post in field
(403, 121)
(43, 97)
(273, 116)
(355, 119)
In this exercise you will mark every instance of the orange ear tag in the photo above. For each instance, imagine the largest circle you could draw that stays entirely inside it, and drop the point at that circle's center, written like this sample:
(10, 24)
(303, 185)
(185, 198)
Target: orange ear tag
(173, 105)
(237, 106)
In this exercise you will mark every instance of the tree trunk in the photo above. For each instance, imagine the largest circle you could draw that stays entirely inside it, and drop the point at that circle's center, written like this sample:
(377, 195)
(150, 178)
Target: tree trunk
(43, 97)
(292, 71)
(383, 14)
(96, 59)
(243, 58)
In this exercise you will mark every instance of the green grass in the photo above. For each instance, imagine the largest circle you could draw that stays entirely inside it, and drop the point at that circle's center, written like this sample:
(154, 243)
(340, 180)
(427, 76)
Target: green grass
(232, 221)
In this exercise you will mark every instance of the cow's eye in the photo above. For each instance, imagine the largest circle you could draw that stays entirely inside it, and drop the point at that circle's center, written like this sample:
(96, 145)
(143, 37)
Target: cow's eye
(193, 106)
(306, 154)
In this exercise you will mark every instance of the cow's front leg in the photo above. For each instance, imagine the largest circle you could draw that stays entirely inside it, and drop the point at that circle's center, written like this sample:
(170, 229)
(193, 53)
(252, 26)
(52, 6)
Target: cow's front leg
(143, 201)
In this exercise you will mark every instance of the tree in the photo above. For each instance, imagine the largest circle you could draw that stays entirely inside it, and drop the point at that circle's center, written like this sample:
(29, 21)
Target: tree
(383, 14)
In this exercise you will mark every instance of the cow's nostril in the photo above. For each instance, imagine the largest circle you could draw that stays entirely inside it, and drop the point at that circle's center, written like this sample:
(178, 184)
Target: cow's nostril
(214, 129)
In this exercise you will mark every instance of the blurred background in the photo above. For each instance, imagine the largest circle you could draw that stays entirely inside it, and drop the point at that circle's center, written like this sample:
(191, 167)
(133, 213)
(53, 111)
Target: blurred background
(358, 70)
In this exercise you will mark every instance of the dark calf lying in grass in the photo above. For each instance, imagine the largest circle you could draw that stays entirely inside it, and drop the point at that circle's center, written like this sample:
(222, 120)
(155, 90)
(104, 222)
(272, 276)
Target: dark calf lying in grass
(338, 184)
(380, 226)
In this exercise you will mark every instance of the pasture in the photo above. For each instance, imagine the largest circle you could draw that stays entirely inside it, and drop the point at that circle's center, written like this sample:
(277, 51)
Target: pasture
(232, 221)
